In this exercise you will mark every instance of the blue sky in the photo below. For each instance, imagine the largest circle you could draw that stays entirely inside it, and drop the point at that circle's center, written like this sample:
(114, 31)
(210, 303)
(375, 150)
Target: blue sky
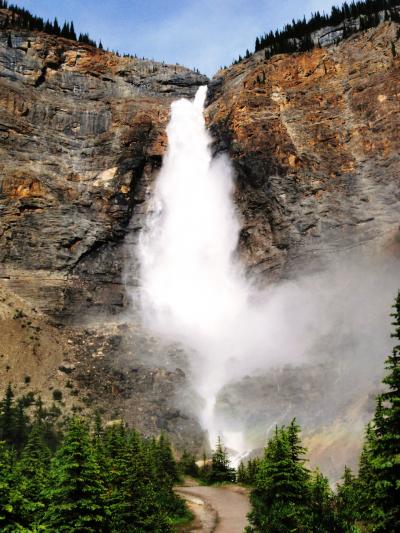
(205, 34)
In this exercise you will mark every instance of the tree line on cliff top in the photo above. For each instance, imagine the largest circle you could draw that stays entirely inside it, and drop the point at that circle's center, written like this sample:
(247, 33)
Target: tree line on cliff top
(296, 36)
(22, 18)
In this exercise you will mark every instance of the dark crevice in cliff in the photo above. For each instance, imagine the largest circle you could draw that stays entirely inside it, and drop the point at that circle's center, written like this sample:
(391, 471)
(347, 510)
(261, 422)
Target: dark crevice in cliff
(42, 78)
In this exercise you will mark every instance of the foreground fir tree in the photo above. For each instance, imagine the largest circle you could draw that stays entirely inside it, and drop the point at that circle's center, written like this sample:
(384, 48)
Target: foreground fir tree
(32, 473)
(347, 503)
(380, 461)
(281, 497)
(7, 416)
(241, 474)
(323, 517)
(187, 465)
(220, 469)
(9, 495)
(76, 497)
(167, 475)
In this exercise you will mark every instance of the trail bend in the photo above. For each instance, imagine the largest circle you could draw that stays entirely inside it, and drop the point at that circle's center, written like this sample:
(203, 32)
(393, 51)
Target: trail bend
(217, 509)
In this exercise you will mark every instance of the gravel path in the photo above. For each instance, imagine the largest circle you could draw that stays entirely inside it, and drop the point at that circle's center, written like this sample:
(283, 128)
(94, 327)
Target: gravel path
(217, 509)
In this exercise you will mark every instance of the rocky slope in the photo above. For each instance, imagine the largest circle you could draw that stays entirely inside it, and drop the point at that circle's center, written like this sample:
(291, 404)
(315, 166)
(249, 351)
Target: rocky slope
(315, 144)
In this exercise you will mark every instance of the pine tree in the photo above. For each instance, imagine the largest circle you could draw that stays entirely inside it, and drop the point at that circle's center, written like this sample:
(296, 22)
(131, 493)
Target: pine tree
(281, 497)
(72, 31)
(347, 502)
(323, 516)
(21, 428)
(7, 416)
(385, 446)
(204, 470)
(252, 470)
(165, 461)
(167, 475)
(220, 470)
(56, 27)
(10, 497)
(241, 475)
(137, 505)
(33, 476)
(188, 465)
(76, 497)
(365, 486)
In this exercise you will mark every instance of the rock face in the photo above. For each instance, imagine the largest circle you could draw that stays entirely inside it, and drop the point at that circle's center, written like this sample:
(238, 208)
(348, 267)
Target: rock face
(81, 133)
(315, 144)
(314, 139)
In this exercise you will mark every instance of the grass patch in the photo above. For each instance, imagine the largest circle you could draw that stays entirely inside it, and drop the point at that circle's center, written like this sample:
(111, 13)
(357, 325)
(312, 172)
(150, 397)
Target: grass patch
(182, 520)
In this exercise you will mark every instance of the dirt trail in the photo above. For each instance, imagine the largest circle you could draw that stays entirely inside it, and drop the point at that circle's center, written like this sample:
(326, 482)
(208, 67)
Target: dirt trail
(217, 509)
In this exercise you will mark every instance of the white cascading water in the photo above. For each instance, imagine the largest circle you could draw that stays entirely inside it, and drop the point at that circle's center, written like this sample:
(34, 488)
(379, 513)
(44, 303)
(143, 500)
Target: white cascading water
(191, 289)
(195, 293)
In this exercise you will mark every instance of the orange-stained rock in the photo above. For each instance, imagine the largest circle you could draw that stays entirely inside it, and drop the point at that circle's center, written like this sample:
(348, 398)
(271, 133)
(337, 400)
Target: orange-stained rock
(315, 141)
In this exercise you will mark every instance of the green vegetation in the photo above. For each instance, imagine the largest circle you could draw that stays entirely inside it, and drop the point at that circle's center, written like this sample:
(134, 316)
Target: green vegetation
(296, 37)
(218, 469)
(69, 474)
(188, 466)
(287, 496)
(22, 18)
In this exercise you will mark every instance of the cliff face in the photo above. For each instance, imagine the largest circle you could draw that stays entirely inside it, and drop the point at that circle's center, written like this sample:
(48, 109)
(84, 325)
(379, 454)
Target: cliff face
(80, 129)
(81, 133)
(315, 144)
(314, 139)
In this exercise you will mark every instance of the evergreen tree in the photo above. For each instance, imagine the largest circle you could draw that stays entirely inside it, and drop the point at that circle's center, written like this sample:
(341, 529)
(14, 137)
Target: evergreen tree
(21, 428)
(204, 470)
(252, 470)
(383, 477)
(365, 485)
(56, 27)
(241, 475)
(220, 470)
(33, 477)
(188, 465)
(76, 497)
(347, 501)
(281, 497)
(165, 461)
(72, 31)
(7, 416)
(323, 518)
(166, 475)
(138, 502)
(9, 496)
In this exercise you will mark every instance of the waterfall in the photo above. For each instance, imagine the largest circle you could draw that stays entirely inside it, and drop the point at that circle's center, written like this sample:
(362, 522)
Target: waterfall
(192, 290)
(195, 292)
